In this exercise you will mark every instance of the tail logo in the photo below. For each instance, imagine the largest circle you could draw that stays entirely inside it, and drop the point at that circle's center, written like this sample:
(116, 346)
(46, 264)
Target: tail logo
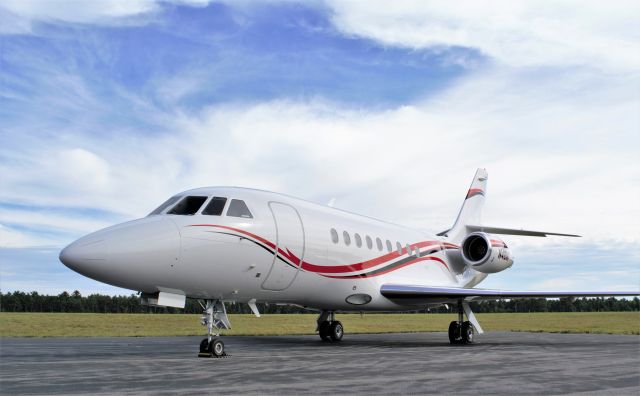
(474, 191)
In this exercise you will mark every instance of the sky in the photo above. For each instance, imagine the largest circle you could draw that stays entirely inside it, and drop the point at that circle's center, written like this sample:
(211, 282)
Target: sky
(107, 108)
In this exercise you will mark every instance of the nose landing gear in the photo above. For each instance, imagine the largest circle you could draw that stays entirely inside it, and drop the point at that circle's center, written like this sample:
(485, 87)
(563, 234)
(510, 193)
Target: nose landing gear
(330, 330)
(212, 348)
(214, 316)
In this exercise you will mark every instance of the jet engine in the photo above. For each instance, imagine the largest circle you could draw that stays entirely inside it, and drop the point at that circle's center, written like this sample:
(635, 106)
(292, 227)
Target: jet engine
(485, 254)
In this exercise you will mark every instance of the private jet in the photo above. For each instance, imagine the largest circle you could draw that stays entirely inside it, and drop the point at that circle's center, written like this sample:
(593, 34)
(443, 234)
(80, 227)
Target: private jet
(228, 244)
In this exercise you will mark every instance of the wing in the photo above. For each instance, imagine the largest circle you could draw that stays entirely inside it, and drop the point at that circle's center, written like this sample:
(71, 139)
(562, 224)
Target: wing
(453, 294)
(513, 231)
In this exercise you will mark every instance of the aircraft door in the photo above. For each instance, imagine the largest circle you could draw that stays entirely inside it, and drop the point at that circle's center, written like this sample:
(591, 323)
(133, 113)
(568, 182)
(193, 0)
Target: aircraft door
(289, 247)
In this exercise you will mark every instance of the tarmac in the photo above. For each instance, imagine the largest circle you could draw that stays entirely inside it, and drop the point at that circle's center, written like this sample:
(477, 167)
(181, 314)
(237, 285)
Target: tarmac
(416, 363)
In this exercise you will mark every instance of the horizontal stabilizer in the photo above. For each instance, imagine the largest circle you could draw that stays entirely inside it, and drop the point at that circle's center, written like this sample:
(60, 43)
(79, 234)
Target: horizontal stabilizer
(513, 231)
(452, 294)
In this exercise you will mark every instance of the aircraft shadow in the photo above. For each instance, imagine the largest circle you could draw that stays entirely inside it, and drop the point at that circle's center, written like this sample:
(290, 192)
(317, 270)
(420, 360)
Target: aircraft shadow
(379, 341)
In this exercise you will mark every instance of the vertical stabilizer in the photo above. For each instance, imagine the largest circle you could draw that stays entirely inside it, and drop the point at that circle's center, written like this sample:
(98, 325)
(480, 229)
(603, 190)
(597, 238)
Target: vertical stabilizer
(471, 210)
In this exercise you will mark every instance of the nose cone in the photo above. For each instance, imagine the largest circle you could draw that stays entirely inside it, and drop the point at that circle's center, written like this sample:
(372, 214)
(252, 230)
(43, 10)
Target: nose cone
(136, 255)
(85, 254)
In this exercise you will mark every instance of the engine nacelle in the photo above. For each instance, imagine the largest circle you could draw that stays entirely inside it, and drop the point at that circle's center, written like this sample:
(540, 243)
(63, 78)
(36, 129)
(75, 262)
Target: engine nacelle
(484, 254)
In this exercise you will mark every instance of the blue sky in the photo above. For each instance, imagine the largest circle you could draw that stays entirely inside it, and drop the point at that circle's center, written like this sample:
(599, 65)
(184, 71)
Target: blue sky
(108, 108)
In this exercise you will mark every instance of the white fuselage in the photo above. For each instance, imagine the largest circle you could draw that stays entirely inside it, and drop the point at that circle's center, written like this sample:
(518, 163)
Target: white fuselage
(285, 252)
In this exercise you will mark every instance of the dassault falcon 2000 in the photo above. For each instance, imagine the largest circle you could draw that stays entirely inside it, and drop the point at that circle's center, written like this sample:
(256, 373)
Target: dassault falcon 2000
(224, 244)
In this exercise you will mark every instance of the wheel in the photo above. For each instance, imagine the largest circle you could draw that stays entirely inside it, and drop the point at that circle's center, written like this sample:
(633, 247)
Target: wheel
(204, 345)
(454, 332)
(324, 329)
(467, 333)
(216, 347)
(336, 331)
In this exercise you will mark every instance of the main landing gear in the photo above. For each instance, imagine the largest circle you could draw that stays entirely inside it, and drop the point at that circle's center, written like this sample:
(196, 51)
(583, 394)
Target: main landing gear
(461, 332)
(214, 317)
(329, 328)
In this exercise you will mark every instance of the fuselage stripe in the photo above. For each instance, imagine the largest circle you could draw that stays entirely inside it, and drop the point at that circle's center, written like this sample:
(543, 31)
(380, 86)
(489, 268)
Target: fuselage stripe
(344, 271)
(393, 267)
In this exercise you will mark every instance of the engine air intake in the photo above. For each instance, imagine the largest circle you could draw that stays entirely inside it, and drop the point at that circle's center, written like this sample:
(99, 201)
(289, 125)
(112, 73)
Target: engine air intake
(485, 255)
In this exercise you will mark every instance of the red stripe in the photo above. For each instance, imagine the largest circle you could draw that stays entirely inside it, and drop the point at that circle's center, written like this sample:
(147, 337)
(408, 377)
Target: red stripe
(426, 258)
(364, 265)
(474, 191)
(266, 242)
(288, 255)
(336, 269)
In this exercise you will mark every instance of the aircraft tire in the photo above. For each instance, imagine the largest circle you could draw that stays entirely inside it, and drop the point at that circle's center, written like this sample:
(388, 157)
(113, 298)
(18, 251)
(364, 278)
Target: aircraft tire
(324, 330)
(216, 347)
(454, 333)
(467, 333)
(204, 345)
(336, 331)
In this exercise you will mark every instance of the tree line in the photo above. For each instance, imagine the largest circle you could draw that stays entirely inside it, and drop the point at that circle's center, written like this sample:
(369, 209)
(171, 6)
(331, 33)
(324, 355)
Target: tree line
(97, 303)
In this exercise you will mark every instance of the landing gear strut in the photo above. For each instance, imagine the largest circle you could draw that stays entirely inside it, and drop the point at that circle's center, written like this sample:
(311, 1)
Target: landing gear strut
(329, 328)
(461, 332)
(214, 317)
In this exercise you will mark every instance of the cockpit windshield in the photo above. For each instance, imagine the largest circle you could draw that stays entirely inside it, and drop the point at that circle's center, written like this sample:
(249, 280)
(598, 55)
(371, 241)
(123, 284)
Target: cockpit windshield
(215, 206)
(165, 205)
(191, 204)
(188, 206)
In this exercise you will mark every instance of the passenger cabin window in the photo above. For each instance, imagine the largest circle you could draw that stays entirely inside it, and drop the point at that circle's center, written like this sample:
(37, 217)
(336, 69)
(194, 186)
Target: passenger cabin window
(389, 247)
(165, 205)
(238, 208)
(188, 206)
(334, 235)
(369, 243)
(215, 207)
(346, 237)
(358, 240)
(379, 244)
(399, 247)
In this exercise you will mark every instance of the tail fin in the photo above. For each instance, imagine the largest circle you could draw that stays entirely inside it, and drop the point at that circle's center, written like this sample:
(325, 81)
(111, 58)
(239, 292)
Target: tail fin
(471, 210)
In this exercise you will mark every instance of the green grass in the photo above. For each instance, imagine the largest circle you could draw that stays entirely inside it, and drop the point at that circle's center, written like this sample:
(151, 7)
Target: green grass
(108, 325)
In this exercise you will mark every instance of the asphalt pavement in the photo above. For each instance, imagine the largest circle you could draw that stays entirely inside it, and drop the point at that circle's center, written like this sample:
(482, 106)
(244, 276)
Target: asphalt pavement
(417, 363)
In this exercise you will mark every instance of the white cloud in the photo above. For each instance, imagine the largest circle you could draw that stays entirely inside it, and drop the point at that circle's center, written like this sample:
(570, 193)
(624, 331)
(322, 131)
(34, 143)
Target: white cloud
(554, 157)
(603, 35)
(560, 147)
(14, 238)
(105, 12)
(42, 223)
(587, 280)
(18, 16)
(82, 169)
(588, 33)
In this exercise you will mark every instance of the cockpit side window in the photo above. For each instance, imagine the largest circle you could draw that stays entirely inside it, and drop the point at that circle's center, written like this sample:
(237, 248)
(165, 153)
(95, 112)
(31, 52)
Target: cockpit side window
(238, 208)
(165, 205)
(188, 205)
(215, 207)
